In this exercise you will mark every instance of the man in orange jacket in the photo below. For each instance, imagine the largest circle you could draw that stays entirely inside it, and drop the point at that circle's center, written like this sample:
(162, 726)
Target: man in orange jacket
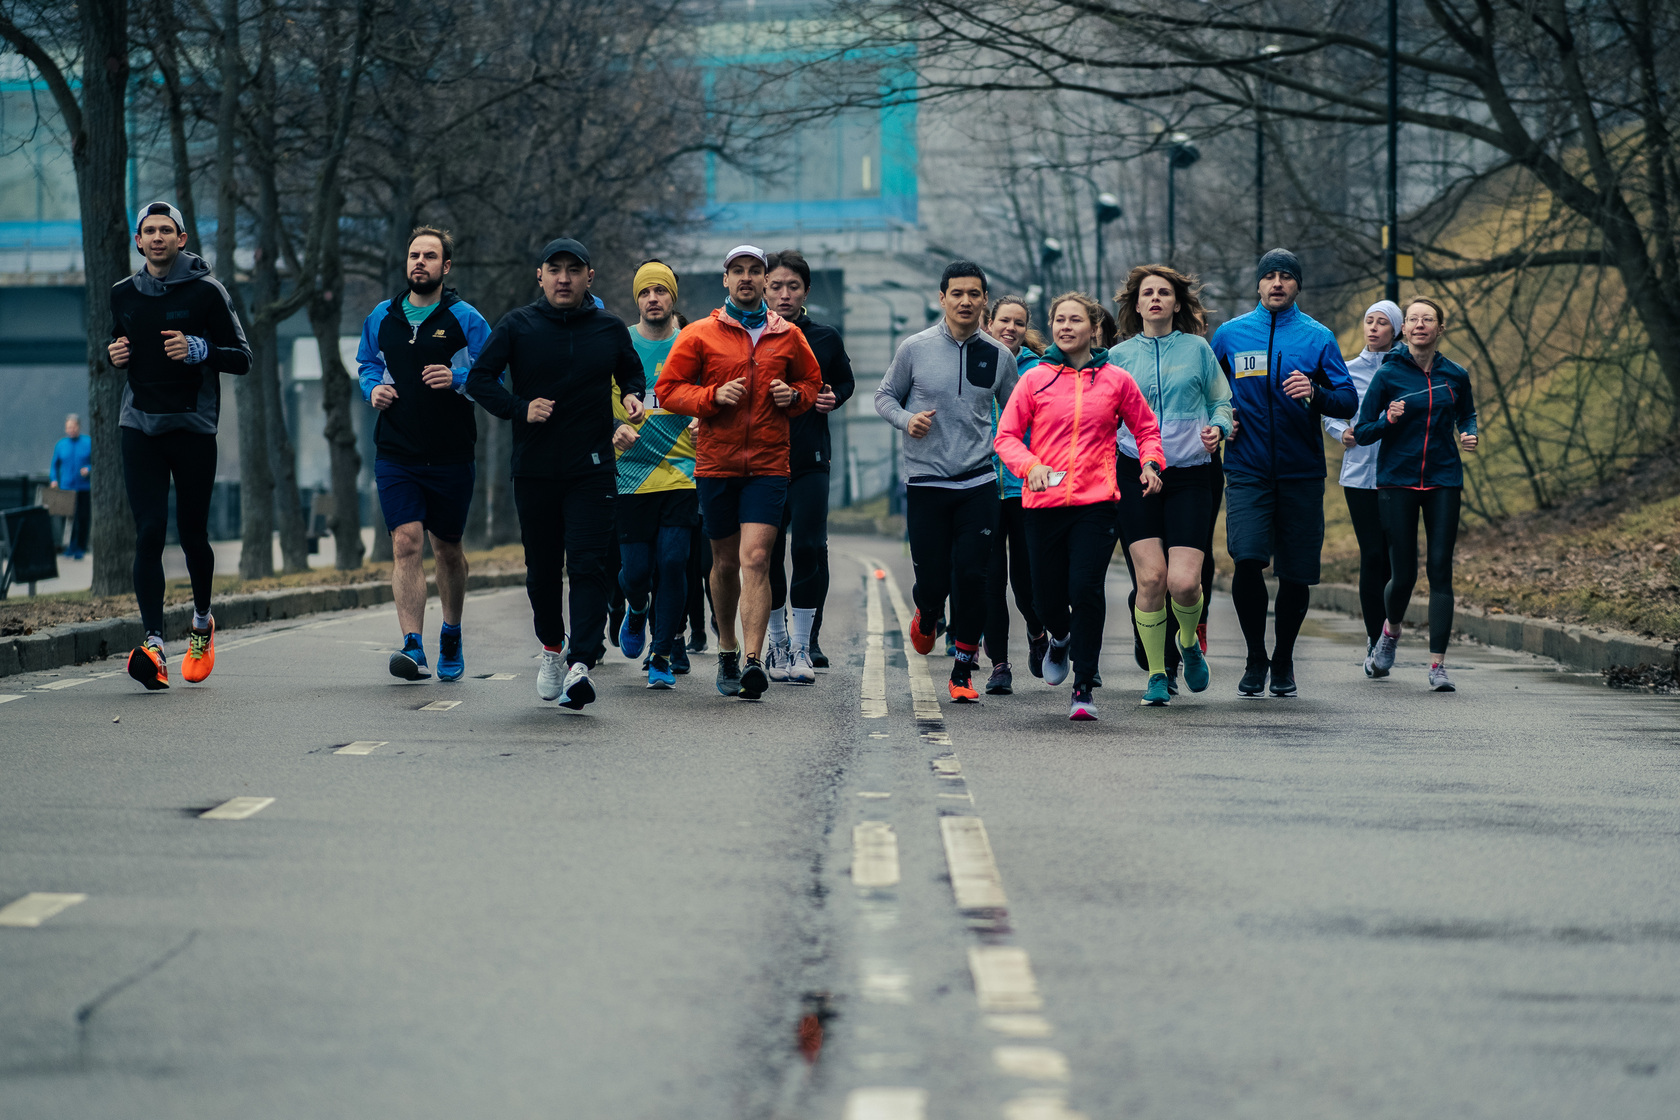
(744, 371)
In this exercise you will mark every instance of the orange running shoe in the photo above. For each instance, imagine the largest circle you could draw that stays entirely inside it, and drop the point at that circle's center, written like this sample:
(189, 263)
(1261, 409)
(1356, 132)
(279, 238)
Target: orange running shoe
(146, 665)
(201, 654)
(920, 642)
(962, 683)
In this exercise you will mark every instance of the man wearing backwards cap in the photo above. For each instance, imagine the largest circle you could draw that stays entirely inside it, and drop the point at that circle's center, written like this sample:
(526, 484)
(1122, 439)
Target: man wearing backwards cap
(1286, 371)
(744, 371)
(174, 330)
(1382, 324)
(562, 347)
(657, 505)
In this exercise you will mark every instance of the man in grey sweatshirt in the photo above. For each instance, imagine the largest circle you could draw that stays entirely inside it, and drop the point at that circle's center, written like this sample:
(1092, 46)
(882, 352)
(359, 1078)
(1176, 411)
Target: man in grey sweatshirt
(939, 393)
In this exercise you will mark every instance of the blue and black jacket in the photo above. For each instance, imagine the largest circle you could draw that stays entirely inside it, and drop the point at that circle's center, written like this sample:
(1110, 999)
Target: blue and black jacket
(1277, 436)
(423, 426)
(1420, 450)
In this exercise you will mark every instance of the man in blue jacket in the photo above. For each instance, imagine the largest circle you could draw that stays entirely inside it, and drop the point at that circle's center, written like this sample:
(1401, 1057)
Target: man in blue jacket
(71, 459)
(1286, 372)
(414, 356)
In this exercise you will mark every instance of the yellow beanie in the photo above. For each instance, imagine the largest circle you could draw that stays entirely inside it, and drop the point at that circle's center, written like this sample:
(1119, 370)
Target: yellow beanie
(653, 272)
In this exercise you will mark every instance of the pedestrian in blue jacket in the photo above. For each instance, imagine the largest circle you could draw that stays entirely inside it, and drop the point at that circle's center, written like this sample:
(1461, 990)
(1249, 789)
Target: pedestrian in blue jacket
(1420, 411)
(1286, 372)
(71, 462)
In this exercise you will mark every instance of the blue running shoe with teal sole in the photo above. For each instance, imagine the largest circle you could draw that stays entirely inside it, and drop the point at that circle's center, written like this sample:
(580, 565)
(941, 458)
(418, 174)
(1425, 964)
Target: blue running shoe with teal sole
(1195, 666)
(452, 664)
(632, 634)
(1156, 695)
(659, 673)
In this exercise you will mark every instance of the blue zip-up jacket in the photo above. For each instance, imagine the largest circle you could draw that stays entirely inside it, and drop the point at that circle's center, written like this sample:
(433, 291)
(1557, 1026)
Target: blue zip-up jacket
(423, 426)
(1185, 389)
(69, 457)
(1277, 436)
(1008, 485)
(1420, 450)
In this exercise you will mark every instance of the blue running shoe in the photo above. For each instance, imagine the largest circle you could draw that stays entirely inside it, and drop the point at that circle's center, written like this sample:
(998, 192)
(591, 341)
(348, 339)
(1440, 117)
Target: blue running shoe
(409, 663)
(1156, 695)
(679, 659)
(632, 634)
(659, 673)
(451, 663)
(1195, 666)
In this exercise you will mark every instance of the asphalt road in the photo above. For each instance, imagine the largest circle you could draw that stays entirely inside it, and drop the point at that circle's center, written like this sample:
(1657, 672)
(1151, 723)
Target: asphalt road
(1366, 901)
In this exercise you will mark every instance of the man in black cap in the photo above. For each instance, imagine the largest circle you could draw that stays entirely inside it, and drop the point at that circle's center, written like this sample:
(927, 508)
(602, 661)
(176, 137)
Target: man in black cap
(1286, 372)
(563, 347)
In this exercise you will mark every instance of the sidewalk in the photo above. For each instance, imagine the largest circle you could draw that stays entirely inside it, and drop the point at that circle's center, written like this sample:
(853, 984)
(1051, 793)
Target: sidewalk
(77, 575)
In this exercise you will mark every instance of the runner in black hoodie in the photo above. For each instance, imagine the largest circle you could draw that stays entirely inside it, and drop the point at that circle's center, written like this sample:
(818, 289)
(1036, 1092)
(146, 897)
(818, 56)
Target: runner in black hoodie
(562, 348)
(174, 330)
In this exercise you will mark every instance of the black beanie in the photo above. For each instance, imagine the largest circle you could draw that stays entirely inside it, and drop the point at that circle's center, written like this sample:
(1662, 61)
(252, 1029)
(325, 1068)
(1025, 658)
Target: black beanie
(1278, 260)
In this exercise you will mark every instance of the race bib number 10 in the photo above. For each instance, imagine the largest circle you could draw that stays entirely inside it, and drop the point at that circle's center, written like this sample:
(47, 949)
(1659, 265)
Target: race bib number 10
(1249, 363)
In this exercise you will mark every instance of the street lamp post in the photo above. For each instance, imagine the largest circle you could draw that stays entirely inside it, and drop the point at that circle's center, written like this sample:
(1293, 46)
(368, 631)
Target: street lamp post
(1180, 153)
(1049, 252)
(1108, 209)
(1391, 232)
(1266, 53)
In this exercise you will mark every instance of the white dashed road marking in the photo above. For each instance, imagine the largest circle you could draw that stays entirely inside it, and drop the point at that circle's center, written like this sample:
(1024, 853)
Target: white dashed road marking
(886, 1104)
(36, 907)
(237, 809)
(1037, 1062)
(7, 698)
(68, 682)
(499, 677)
(874, 654)
(1019, 1026)
(885, 982)
(874, 855)
(441, 705)
(922, 695)
(362, 746)
(1003, 978)
(974, 873)
(1040, 1104)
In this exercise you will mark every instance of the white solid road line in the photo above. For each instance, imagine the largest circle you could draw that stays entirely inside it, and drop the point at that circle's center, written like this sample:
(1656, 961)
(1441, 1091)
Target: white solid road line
(236, 809)
(874, 653)
(441, 706)
(68, 682)
(886, 1104)
(36, 907)
(974, 873)
(7, 698)
(874, 855)
(1003, 978)
(922, 695)
(362, 746)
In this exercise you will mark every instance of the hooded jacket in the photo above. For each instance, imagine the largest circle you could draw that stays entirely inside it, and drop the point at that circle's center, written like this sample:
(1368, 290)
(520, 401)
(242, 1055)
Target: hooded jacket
(748, 439)
(1420, 450)
(571, 356)
(810, 448)
(1009, 485)
(1277, 436)
(1185, 389)
(163, 394)
(1359, 464)
(423, 426)
(959, 380)
(1072, 415)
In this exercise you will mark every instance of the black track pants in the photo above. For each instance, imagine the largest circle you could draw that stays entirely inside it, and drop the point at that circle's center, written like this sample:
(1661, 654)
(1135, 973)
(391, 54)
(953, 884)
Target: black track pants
(568, 531)
(149, 462)
(1009, 567)
(1373, 556)
(805, 519)
(950, 547)
(1400, 508)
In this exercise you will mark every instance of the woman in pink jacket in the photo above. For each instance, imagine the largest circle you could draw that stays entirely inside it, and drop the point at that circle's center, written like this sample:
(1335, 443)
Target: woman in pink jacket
(1073, 403)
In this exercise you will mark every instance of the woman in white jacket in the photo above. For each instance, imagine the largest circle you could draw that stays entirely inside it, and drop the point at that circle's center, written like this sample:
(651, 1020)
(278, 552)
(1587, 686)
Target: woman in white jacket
(1359, 476)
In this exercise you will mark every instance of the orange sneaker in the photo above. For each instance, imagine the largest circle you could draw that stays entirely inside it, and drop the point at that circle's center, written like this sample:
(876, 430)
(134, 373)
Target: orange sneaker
(146, 665)
(962, 683)
(920, 642)
(201, 654)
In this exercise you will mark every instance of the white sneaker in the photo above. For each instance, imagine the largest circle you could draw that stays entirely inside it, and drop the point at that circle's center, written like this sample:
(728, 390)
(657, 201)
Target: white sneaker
(579, 690)
(800, 670)
(550, 674)
(777, 659)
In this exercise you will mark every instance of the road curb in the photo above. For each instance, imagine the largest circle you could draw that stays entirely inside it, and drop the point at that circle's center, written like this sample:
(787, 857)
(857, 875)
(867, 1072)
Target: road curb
(81, 642)
(1584, 648)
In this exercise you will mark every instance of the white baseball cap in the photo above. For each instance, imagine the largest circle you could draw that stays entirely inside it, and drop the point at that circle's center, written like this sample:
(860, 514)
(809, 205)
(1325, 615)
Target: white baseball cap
(746, 251)
(160, 207)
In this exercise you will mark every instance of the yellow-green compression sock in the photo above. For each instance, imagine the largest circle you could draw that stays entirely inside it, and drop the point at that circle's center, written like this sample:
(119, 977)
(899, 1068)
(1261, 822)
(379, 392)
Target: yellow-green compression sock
(1188, 619)
(1152, 627)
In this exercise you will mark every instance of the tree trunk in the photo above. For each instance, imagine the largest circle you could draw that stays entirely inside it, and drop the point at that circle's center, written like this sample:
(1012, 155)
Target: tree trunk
(504, 518)
(338, 397)
(477, 534)
(99, 150)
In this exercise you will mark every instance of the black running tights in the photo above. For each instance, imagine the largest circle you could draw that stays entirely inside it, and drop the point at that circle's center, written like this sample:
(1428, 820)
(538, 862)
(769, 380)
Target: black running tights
(1400, 508)
(1373, 556)
(1009, 566)
(148, 464)
(1249, 596)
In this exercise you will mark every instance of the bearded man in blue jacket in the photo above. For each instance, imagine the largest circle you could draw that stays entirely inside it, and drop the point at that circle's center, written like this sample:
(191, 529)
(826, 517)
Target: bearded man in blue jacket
(1286, 373)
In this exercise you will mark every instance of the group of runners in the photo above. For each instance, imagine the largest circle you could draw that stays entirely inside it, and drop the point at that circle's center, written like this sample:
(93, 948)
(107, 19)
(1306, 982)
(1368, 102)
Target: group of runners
(664, 472)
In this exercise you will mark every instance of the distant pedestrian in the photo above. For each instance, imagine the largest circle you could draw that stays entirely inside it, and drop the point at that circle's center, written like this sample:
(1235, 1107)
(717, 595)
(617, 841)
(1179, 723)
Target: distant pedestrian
(1359, 476)
(1417, 403)
(72, 457)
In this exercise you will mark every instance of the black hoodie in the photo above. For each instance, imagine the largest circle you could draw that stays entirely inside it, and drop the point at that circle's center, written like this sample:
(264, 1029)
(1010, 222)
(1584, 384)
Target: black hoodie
(162, 394)
(810, 448)
(571, 357)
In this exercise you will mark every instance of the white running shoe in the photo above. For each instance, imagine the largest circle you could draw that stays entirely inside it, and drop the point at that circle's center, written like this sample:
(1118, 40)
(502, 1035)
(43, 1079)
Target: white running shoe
(1056, 661)
(1438, 679)
(550, 674)
(1382, 657)
(778, 658)
(800, 670)
(579, 690)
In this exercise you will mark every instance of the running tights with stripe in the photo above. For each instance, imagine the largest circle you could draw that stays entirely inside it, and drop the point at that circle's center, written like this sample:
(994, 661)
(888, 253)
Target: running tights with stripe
(1400, 508)
(1249, 597)
(148, 464)
(1373, 556)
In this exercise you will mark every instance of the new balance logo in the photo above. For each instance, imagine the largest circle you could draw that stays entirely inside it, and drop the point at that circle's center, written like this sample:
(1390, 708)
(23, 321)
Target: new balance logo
(440, 333)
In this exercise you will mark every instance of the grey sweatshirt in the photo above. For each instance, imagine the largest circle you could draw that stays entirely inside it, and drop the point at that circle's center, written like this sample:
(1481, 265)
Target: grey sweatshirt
(959, 381)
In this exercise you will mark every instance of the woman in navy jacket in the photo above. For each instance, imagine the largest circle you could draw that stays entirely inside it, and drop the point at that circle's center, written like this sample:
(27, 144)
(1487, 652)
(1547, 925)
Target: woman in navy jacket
(1421, 409)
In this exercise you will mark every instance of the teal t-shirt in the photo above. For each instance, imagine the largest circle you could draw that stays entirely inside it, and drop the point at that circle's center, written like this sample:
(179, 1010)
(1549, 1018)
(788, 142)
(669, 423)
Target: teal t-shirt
(416, 315)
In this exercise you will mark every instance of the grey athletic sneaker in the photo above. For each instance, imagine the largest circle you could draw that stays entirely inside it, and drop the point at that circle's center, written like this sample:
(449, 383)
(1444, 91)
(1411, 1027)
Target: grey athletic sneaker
(1382, 657)
(551, 674)
(778, 659)
(1056, 661)
(1438, 679)
(800, 670)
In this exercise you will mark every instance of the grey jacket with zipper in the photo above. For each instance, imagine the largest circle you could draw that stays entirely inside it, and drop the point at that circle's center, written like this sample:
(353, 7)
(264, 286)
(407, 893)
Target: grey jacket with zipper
(959, 380)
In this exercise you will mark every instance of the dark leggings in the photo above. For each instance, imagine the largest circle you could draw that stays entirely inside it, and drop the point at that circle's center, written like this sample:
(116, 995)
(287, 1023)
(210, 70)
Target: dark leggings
(1071, 550)
(148, 464)
(699, 580)
(1400, 508)
(949, 538)
(1010, 567)
(663, 561)
(1373, 556)
(1249, 597)
(805, 519)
